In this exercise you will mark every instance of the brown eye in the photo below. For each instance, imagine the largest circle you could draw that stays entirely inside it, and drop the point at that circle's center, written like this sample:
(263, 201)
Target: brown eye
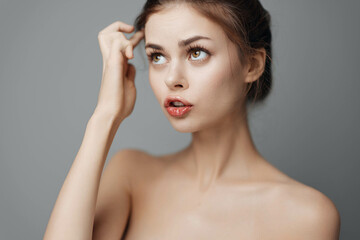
(156, 56)
(197, 53)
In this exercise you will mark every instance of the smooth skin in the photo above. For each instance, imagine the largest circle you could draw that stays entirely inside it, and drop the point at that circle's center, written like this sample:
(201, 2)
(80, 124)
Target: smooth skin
(74, 210)
(219, 186)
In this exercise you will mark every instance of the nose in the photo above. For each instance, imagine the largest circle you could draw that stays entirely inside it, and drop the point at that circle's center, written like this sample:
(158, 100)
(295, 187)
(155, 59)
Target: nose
(175, 79)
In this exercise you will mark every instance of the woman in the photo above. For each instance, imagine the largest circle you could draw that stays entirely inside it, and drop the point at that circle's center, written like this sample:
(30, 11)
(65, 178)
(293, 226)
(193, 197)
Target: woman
(207, 60)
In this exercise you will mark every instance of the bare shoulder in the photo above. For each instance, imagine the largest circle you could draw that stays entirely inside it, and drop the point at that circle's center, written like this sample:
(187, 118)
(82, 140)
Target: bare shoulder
(309, 211)
(129, 152)
(306, 209)
(137, 162)
(133, 158)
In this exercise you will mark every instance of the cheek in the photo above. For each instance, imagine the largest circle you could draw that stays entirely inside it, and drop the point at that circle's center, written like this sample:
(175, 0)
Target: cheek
(216, 85)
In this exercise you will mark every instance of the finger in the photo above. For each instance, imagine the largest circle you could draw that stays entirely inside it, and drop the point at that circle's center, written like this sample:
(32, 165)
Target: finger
(113, 35)
(110, 37)
(125, 43)
(116, 58)
(125, 48)
(136, 38)
(106, 39)
(118, 26)
(129, 51)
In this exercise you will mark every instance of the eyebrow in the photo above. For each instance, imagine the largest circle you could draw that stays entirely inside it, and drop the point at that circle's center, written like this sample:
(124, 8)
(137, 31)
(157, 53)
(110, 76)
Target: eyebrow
(181, 43)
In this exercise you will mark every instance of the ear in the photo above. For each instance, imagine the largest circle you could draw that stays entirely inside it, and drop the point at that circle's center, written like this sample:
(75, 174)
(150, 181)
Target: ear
(256, 65)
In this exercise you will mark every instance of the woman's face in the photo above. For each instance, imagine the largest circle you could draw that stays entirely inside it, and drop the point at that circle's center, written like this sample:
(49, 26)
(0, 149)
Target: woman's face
(206, 72)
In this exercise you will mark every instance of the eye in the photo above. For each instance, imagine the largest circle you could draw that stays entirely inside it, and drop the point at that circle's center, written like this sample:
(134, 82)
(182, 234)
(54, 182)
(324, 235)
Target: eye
(155, 57)
(197, 53)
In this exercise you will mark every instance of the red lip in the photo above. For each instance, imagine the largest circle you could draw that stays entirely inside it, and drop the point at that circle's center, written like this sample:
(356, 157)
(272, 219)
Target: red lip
(177, 111)
(170, 99)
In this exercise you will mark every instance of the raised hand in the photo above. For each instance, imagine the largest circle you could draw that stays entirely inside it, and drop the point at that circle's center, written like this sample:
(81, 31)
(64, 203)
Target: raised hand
(117, 92)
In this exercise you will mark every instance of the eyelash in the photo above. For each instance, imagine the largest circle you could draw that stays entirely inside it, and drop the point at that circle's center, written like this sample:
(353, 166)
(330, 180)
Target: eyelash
(190, 49)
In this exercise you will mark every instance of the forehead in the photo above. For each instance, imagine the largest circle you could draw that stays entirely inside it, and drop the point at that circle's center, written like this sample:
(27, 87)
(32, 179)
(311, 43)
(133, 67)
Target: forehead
(180, 21)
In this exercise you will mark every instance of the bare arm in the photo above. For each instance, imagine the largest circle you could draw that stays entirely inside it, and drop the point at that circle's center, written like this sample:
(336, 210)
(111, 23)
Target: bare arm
(73, 213)
(113, 204)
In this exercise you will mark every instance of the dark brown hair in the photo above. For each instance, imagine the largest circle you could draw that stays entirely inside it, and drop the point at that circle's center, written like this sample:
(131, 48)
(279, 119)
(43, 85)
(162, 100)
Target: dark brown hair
(245, 22)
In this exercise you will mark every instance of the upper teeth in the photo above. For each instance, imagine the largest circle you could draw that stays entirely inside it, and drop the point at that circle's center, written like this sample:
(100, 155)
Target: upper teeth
(178, 104)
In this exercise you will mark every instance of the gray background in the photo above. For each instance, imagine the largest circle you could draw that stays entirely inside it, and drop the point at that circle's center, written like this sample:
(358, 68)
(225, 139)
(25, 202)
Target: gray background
(50, 73)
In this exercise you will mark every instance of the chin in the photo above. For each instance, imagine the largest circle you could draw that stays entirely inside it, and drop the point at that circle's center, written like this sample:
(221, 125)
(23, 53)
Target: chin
(194, 121)
(191, 125)
(184, 125)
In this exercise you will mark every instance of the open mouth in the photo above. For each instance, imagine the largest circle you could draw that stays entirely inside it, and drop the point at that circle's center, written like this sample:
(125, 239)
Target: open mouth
(176, 101)
(178, 109)
(177, 106)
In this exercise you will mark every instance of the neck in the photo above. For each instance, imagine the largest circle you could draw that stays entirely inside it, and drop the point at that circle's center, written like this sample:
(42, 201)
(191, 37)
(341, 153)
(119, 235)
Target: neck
(226, 150)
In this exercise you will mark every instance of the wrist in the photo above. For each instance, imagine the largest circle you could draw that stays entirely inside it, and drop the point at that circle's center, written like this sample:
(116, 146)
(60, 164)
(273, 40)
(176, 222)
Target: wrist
(106, 119)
